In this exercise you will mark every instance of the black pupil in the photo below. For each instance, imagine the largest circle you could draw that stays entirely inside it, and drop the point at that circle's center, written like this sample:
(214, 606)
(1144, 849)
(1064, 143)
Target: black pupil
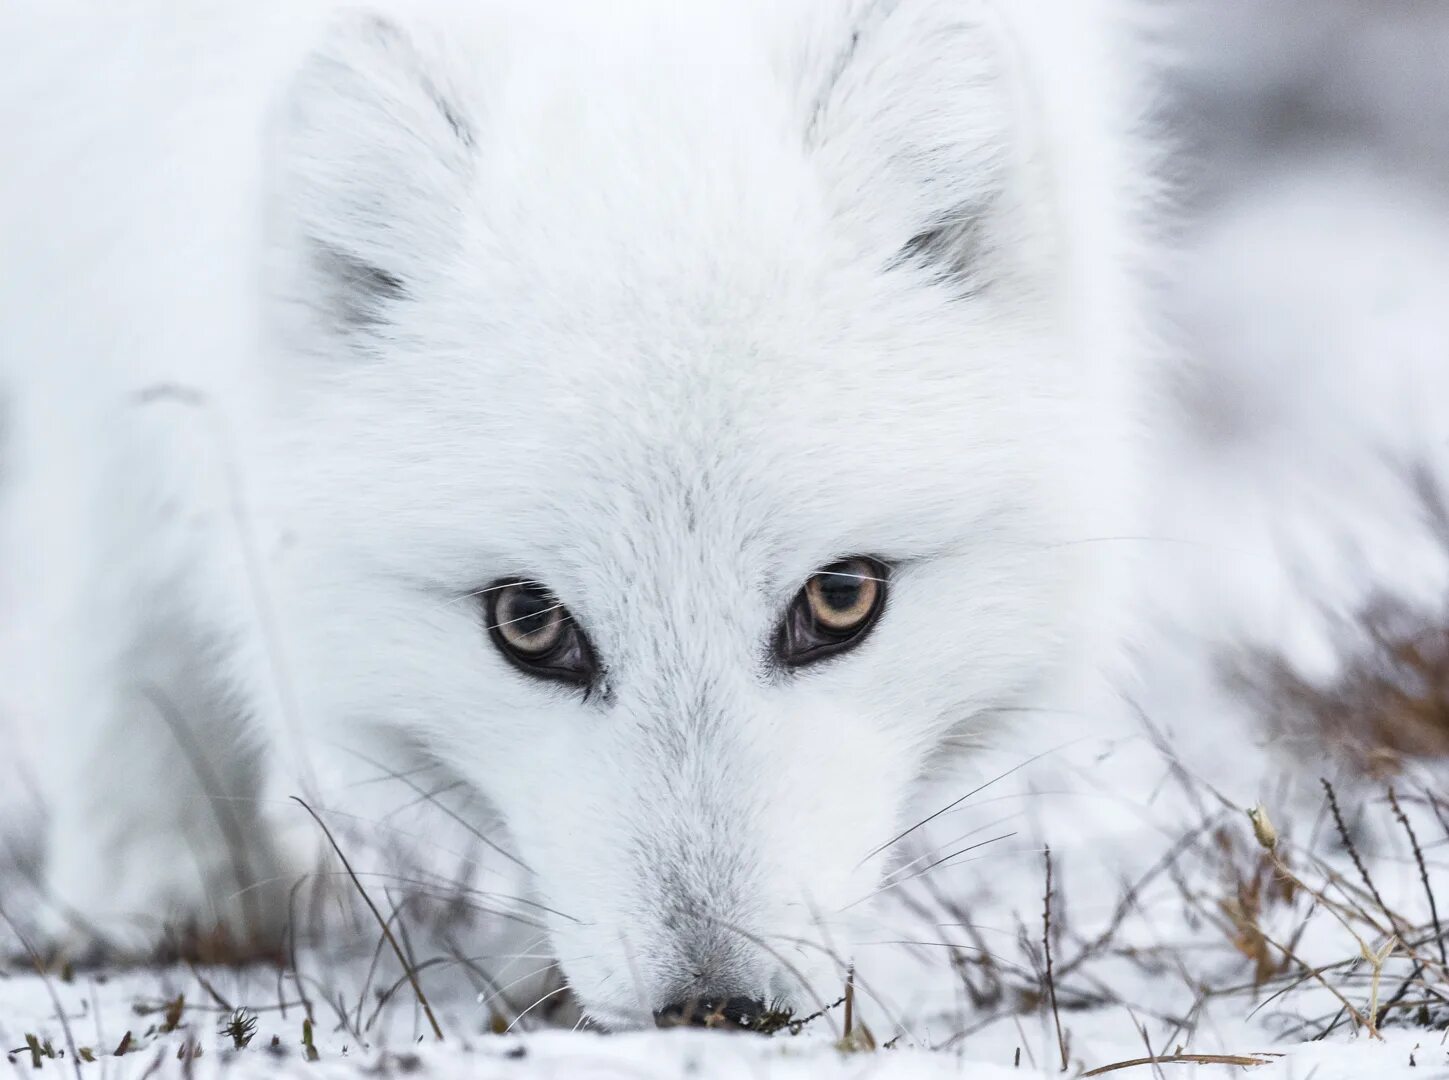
(531, 612)
(841, 592)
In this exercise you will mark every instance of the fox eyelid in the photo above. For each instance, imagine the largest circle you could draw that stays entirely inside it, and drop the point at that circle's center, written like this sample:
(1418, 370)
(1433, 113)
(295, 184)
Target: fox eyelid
(565, 654)
(814, 627)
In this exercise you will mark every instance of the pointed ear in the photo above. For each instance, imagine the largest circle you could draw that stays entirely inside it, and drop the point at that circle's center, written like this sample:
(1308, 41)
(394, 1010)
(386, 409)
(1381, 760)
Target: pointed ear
(377, 151)
(911, 121)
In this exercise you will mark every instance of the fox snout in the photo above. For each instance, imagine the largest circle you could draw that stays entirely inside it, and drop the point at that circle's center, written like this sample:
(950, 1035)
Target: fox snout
(679, 933)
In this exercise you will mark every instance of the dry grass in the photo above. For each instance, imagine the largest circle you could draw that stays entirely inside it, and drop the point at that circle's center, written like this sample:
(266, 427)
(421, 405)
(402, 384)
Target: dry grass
(1389, 705)
(1389, 702)
(1244, 906)
(1226, 914)
(1251, 896)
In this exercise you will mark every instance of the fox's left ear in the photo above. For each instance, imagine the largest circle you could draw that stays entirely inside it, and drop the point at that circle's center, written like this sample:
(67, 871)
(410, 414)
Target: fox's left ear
(926, 120)
(376, 155)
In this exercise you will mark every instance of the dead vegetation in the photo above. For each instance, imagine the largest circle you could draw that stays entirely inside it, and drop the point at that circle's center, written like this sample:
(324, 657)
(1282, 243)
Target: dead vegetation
(1250, 903)
(1388, 704)
(1286, 923)
(1284, 920)
(1256, 912)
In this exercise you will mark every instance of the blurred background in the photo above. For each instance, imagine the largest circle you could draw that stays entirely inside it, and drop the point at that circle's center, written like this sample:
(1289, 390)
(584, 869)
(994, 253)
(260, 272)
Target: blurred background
(1264, 82)
(1298, 554)
(1309, 297)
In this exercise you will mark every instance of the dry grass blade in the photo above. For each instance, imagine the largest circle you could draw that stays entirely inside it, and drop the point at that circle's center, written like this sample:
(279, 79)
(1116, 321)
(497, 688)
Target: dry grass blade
(1403, 820)
(386, 930)
(1358, 864)
(1244, 1060)
(957, 802)
(432, 798)
(1358, 1017)
(1046, 944)
(49, 989)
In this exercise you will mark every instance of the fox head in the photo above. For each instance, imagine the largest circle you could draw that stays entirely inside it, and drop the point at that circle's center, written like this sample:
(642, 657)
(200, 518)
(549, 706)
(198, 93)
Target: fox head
(694, 421)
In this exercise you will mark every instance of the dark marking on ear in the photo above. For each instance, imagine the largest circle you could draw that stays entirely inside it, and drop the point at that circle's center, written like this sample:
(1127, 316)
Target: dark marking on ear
(375, 157)
(460, 127)
(950, 252)
(360, 294)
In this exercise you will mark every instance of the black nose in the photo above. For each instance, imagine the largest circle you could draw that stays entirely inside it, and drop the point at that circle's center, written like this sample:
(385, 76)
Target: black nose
(734, 1014)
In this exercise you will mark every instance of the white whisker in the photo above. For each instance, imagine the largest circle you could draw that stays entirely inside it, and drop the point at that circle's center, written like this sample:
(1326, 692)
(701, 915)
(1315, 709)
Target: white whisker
(489, 589)
(530, 615)
(536, 1004)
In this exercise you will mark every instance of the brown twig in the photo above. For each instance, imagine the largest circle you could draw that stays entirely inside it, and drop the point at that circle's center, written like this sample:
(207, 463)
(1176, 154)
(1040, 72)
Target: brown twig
(1423, 876)
(1363, 873)
(1046, 941)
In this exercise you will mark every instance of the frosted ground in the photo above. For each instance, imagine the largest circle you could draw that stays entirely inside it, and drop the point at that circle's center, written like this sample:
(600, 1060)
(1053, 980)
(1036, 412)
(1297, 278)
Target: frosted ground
(1312, 298)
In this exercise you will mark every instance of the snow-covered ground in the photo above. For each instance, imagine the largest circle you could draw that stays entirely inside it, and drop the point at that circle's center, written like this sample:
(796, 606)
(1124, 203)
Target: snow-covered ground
(1310, 300)
(1159, 964)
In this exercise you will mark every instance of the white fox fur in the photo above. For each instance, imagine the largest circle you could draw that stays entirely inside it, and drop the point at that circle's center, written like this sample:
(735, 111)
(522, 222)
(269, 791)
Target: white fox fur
(314, 324)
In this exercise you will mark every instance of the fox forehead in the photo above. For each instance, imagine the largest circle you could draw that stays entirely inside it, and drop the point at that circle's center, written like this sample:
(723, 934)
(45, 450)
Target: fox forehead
(774, 414)
(778, 390)
(732, 440)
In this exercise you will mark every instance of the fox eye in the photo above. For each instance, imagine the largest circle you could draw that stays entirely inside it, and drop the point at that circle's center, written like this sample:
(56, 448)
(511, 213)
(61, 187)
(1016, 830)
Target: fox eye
(536, 634)
(833, 612)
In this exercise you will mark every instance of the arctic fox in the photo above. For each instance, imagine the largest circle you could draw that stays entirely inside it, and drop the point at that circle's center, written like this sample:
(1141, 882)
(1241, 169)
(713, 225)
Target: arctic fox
(679, 424)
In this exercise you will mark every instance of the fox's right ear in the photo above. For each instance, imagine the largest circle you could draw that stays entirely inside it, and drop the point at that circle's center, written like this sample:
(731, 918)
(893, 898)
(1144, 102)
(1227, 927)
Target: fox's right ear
(376, 153)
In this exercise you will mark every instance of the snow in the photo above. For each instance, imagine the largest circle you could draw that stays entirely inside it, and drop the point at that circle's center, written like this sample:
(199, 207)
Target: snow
(703, 1055)
(100, 1012)
(907, 995)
